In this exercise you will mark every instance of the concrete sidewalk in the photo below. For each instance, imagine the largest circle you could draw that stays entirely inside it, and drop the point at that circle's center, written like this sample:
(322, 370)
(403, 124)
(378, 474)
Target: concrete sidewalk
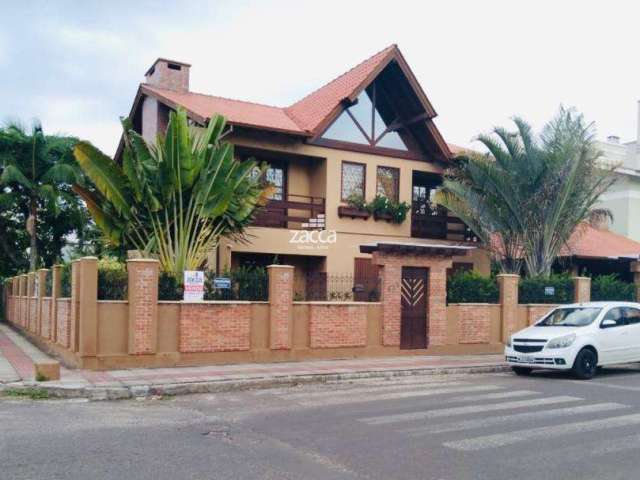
(17, 357)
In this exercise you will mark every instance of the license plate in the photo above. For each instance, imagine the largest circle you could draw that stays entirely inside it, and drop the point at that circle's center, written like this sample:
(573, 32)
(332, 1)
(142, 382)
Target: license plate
(526, 359)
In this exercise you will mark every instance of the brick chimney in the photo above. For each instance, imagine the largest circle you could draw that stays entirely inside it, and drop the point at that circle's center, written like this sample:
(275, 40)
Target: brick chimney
(169, 74)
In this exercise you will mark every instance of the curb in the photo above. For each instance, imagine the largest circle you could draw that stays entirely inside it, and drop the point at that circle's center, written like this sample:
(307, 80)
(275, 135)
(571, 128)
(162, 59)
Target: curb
(92, 393)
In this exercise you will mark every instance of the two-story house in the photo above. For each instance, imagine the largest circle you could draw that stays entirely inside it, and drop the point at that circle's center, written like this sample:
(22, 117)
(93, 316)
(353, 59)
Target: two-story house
(370, 131)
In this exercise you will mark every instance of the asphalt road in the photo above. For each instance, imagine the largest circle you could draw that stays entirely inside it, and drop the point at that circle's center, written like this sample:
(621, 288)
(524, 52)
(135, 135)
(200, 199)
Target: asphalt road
(450, 428)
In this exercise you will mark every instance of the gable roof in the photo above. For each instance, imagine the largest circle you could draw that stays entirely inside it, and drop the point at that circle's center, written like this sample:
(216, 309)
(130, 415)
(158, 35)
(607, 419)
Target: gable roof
(309, 116)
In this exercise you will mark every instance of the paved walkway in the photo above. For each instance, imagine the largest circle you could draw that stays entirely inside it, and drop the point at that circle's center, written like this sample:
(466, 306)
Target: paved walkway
(17, 357)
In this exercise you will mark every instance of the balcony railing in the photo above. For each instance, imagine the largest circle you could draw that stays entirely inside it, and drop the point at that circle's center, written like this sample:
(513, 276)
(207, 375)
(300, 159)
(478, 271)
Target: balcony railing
(296, 212)
(430, 221)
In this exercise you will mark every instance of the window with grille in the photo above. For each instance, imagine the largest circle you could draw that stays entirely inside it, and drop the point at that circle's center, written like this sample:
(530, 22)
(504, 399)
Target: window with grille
(388, 182)
(353, 178)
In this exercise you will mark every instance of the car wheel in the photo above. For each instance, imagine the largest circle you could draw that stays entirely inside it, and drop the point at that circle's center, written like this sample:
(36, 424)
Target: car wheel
(585, 364)
(522, 371)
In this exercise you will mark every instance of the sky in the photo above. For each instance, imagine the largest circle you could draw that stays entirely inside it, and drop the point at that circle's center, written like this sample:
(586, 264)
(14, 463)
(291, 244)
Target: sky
(76, 66)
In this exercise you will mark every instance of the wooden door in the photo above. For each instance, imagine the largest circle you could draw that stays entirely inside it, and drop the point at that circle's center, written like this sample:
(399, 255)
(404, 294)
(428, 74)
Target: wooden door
(365, 280)
(413, 305)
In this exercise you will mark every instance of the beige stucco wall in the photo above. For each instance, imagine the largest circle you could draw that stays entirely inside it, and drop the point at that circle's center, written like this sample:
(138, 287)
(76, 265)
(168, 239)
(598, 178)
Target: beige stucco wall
(319, 174)
(623, 199)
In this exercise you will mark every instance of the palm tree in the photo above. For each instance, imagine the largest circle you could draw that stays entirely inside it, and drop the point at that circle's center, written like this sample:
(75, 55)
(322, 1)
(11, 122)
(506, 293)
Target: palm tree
(35, 165)
(526, 197)
(175, 197)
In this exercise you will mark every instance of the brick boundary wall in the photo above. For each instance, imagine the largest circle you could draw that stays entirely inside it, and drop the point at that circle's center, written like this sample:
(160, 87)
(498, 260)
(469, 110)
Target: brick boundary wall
(536, 311)
(63, 322)
(474, 323)
(206, 327)
(333, 326)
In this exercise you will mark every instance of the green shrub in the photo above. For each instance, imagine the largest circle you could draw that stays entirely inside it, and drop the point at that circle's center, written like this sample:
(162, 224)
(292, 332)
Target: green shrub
(65, 280)
(471, 287)
(610, 287)
(169, 287)
(112, 279)
(357, 201)
(532, 289)
(382, 205)
(247, 283)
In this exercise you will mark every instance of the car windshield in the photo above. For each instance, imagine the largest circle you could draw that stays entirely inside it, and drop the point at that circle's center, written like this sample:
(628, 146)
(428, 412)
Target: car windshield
(570, 317)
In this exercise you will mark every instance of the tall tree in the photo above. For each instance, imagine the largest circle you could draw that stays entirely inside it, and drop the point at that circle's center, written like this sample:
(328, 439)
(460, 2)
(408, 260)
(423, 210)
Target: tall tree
(175, 197)
(527, 196)
(40, 169)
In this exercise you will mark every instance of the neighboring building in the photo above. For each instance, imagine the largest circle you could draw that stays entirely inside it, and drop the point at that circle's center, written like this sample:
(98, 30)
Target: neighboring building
(369, 131)
(623, 198)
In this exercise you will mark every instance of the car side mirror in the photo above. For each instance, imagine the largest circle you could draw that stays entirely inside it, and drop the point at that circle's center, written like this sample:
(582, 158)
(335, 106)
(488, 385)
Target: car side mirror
(608, 323)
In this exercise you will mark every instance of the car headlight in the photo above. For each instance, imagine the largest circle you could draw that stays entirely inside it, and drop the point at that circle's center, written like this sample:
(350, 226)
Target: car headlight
(508, 344)
(562, 342)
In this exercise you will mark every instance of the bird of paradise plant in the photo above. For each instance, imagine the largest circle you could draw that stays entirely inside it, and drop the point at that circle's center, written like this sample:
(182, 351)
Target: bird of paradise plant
(176, 197)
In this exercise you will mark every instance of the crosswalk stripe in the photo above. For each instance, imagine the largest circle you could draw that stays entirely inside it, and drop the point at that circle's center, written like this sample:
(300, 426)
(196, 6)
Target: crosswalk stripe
(493, 421)
(370, 390)
(424, 392)
(502, 439)
(446, 412)
(366, 383)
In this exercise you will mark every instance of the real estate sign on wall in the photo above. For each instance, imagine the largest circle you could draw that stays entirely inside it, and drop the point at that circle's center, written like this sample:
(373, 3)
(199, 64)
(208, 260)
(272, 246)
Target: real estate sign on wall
(193, 286)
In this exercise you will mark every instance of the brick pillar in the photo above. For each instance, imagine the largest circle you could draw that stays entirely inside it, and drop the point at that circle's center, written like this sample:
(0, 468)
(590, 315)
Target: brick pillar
(56, 288)
(437, 302)
(280, 306)
(75, 306)
(41, 276)
(391, 273)
(581, 289)
(88, 307)
(143, 305)
(508, 284)
(635, 269)
(23, 303)
(31, 303)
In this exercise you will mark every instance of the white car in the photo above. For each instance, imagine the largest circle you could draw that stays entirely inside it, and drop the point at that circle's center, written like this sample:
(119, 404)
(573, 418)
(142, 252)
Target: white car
(578, 337)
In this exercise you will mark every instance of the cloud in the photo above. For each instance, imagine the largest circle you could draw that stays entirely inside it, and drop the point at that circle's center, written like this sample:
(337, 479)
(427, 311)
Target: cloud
(89, 40)
(81, 117)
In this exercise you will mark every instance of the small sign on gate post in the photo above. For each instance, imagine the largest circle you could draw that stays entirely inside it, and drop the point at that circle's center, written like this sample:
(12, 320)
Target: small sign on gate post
(193, 286)
(222, 283)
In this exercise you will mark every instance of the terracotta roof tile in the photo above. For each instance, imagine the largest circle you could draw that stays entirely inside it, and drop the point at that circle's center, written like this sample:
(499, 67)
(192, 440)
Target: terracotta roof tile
(236, 111)
(303, 117)
(588, 241)
(310, 111)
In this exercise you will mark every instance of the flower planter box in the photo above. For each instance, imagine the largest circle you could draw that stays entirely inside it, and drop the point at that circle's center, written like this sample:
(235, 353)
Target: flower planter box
(383, 216)
(353, 213)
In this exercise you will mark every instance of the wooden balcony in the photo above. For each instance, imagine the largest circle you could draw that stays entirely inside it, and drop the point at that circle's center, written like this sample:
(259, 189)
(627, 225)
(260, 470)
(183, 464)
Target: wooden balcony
(429, 221)
(295, 213)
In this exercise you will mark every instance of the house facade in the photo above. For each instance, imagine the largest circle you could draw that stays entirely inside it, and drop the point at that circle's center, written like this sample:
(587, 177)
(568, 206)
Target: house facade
(368, 132)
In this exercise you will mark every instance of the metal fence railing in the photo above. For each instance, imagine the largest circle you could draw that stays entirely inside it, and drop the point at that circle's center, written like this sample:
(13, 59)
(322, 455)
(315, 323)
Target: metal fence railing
(323, 286)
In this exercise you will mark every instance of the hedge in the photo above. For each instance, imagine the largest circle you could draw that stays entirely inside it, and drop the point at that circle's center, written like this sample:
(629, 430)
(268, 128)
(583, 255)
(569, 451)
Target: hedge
(112, 279)
(534, 289)
(471, 287)
(611, 288)
(247, 283)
